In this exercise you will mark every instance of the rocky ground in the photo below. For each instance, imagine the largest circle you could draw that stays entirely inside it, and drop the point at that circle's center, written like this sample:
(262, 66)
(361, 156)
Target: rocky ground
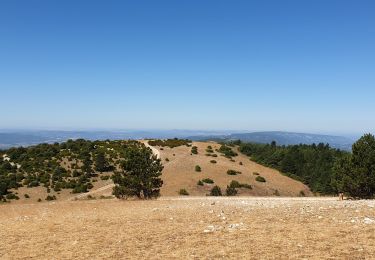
(190, 228)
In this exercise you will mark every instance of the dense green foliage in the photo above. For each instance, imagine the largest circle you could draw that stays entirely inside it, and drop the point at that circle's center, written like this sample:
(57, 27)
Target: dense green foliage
(311, 164)
(140, 175)
(171, 143)
(70, 165)
(355, 173)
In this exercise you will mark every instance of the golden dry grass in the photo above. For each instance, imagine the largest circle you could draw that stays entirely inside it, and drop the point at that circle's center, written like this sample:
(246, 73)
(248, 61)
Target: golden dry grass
(180, 173)
(190, 228)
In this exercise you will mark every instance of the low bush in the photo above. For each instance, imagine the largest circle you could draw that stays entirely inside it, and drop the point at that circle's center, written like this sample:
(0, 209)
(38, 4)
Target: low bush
(27, 196)
(49, 197)
(183, 192)
(230, 191)
(255, 173)
(215, 191)
(198, 168)
(208, 180)
(194, 150)
(260, 179)
(213, 161)
(104, 178)
(233, 172)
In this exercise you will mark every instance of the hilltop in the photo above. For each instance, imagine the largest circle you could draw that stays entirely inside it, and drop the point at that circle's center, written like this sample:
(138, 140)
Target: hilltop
(82, 168)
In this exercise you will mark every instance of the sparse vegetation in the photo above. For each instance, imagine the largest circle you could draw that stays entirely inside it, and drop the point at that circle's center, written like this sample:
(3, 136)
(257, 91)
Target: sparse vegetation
(200, 183)
(230, 191)
(198, 168)
(171, 143)
(213, 161)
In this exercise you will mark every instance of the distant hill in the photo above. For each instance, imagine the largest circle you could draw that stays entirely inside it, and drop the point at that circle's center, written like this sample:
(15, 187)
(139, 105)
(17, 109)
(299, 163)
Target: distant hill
(283, 138)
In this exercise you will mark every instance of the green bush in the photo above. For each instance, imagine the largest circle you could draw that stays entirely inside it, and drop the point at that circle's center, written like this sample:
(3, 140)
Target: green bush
(200, 183)
(183, 192)
(260, 179)
(208, 180)
(215, 191)
(233, 172)
(49, 197)
(231, 191)
(198, 168)
(194, 150)
(105, 177)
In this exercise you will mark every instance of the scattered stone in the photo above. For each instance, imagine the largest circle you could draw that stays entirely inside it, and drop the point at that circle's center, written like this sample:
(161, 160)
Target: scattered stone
(368, 221)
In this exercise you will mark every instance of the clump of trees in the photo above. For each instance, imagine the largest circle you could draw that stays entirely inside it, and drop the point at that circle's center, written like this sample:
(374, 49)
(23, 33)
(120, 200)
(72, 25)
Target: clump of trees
(140, 175)
(311, 164)
(354, 174)
(171, 143)
(227, 151)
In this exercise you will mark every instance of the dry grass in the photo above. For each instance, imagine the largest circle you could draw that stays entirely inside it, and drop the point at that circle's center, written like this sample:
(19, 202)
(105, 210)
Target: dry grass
(190, 228)
(180, 173)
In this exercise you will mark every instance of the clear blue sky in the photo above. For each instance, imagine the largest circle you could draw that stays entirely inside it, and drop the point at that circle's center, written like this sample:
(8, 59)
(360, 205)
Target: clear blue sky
(248, 65)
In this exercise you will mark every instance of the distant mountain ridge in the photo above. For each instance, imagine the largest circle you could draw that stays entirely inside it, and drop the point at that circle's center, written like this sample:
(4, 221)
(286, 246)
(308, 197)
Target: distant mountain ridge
(27, 138)
(284, 138)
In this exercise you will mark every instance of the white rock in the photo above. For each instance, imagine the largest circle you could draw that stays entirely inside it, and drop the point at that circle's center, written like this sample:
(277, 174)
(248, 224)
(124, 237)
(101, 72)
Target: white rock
(368, 221)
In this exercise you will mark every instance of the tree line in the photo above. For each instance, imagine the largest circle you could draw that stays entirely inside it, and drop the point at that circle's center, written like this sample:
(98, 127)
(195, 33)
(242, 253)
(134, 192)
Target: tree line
(324, 169)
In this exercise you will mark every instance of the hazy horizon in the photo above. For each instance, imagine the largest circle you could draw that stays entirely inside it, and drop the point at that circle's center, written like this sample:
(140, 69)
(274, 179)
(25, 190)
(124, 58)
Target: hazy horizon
(293, 66)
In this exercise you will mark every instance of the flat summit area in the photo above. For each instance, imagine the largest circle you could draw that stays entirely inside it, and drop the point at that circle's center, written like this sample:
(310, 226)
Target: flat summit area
(190, 228)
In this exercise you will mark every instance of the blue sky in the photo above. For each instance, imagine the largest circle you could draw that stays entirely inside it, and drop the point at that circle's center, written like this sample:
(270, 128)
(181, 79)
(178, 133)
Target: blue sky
(247, 65)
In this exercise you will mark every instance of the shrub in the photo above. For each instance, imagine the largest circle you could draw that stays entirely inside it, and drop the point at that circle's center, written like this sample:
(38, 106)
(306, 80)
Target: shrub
(200, 183)
(167, 159)
(104, 178)
(27, 196)
(302, 193)
(260, 179)
(39, 200)
(231, 191)
(183, 192)
(276, 193)
(213, 161)
(194, 150)
(215, 191)
(208, 180)
(198, 168)
(240, 163)
(233, 172)
(255, 173)
(170, 142)
(49, 197)
(236, 185)
(227, 151)
(11, 196)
